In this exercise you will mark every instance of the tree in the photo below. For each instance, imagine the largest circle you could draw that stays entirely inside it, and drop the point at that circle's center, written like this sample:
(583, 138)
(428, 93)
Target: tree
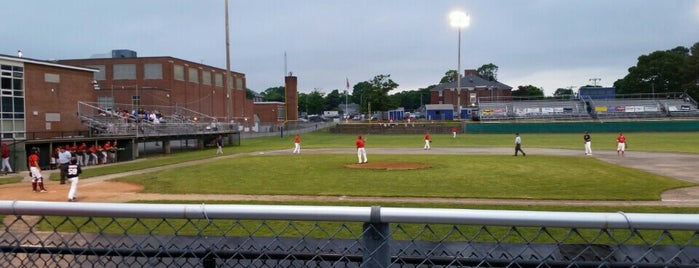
(488, 71)
(658, 72)
(561, 92)
(413, 99)
(528, 91)
(316, 102)
(274, 94)
(449, 76)
(690, 72)
(333, 100)
(249, 94)
(377, 92)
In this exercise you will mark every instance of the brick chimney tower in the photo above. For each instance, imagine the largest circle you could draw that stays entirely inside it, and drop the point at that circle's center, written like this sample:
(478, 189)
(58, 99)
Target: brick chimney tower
(291, 96)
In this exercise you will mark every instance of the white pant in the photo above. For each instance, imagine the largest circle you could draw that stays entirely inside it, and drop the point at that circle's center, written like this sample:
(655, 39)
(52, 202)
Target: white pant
(588, 147)
(361, 152)
(297, 148)
(73, 187)
(427, 144)
(6, 164)
(621, 147)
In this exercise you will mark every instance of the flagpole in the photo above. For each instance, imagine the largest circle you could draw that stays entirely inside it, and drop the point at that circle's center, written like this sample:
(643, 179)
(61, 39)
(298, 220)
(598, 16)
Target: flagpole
(346, 113)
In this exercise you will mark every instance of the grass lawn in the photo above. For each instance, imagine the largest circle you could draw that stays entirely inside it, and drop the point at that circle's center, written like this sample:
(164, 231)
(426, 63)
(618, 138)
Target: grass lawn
(461, 176)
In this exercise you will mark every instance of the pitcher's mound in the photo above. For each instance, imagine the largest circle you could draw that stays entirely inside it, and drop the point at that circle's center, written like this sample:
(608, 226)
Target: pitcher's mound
(388, 165)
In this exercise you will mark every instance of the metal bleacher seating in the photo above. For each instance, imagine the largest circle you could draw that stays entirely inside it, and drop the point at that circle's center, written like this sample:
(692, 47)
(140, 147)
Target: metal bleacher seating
(533, 110)
(172, 121)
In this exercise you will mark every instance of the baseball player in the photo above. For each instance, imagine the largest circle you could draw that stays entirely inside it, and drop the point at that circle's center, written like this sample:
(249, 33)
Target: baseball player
(427, 141)
(588, 143)
(73, 171)
(361, 152)
(35, 171)
(297, 144)
(621, 144)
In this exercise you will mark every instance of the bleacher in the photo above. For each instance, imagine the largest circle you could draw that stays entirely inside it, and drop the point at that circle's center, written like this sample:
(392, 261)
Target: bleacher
(627, 108)
(622, 107)
(171, 120)
(533, 110)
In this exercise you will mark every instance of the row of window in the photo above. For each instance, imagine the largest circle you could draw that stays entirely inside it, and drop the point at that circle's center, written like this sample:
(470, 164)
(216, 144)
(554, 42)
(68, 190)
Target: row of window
(155, 71)
(12, 124)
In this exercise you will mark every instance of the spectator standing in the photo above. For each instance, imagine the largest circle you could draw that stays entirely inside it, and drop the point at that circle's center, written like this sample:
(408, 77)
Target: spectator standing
(35, 171)
(63, 160)
(361, 151)
(621, 144)
(73, 170)
(588, 143)
(5, 152)
(297, 144)
(219, 144)
(518, 144)
(427, 141)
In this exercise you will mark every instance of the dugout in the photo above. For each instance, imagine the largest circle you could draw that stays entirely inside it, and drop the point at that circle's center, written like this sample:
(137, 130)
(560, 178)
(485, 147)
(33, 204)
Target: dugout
(439, 112)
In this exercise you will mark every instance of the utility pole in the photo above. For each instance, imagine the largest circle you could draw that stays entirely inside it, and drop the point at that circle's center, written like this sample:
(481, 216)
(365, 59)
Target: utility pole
(229, 95)
(595, 80)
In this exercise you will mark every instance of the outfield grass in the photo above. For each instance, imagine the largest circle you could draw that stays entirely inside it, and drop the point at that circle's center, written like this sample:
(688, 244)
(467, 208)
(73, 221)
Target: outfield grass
(459, 176)
(681, 142)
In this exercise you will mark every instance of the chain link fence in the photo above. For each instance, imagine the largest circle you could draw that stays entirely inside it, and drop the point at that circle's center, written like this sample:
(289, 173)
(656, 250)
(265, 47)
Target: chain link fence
(57, 234)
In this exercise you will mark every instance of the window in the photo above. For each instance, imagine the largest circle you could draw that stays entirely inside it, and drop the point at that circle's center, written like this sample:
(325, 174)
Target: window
(218, 80)
(239, 83)
(52, 78)
(178, 72)
(152, 71)
(193, 75)
(102, 74)
(12, 123)
(206, 77)
(124, 72)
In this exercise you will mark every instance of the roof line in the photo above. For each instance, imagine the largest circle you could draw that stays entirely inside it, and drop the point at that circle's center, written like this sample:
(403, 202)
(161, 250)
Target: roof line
(46, 63)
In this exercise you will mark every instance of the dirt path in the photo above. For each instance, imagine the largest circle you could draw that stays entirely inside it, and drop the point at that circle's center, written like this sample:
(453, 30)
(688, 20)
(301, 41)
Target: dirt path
(100, 189)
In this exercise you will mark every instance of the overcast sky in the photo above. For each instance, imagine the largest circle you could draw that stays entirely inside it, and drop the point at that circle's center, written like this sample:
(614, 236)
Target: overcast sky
(546, 43)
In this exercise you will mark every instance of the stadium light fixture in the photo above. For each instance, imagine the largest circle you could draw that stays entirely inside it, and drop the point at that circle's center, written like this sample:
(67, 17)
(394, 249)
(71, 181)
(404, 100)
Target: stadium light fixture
(460, 20)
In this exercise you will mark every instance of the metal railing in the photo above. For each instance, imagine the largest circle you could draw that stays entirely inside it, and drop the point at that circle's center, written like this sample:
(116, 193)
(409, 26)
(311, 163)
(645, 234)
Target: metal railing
(57, 234)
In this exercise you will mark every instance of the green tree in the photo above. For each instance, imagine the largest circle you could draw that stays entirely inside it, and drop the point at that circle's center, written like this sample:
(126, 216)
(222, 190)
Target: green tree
(333, 100)
(489, 71)
(449, 76)
(413, 99)
(274, 94)
(377, 93)
(561, 92)
(316, 102)
(690, 72)
(528, 91)
(249, 94)
(358, 95)
(658, 72)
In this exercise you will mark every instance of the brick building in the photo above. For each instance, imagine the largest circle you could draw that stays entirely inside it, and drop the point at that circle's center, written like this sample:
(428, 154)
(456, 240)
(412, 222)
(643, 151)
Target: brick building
(168, 81)
(473, 88)
(39, 98)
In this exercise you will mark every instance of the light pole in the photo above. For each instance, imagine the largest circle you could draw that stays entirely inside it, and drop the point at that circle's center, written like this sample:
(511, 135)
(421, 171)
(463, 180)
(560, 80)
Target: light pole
(459, 20)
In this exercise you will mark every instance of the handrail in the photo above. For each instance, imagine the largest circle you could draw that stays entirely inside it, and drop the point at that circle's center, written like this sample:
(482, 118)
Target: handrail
(660, 221)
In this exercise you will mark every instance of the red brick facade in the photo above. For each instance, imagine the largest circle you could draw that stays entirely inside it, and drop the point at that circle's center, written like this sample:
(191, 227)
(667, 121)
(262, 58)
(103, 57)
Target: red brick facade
(191, 85)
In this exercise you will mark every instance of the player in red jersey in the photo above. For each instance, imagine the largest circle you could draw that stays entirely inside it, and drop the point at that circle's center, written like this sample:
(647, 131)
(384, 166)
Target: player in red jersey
(35, 171)
(361, 152)
(621, 144)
